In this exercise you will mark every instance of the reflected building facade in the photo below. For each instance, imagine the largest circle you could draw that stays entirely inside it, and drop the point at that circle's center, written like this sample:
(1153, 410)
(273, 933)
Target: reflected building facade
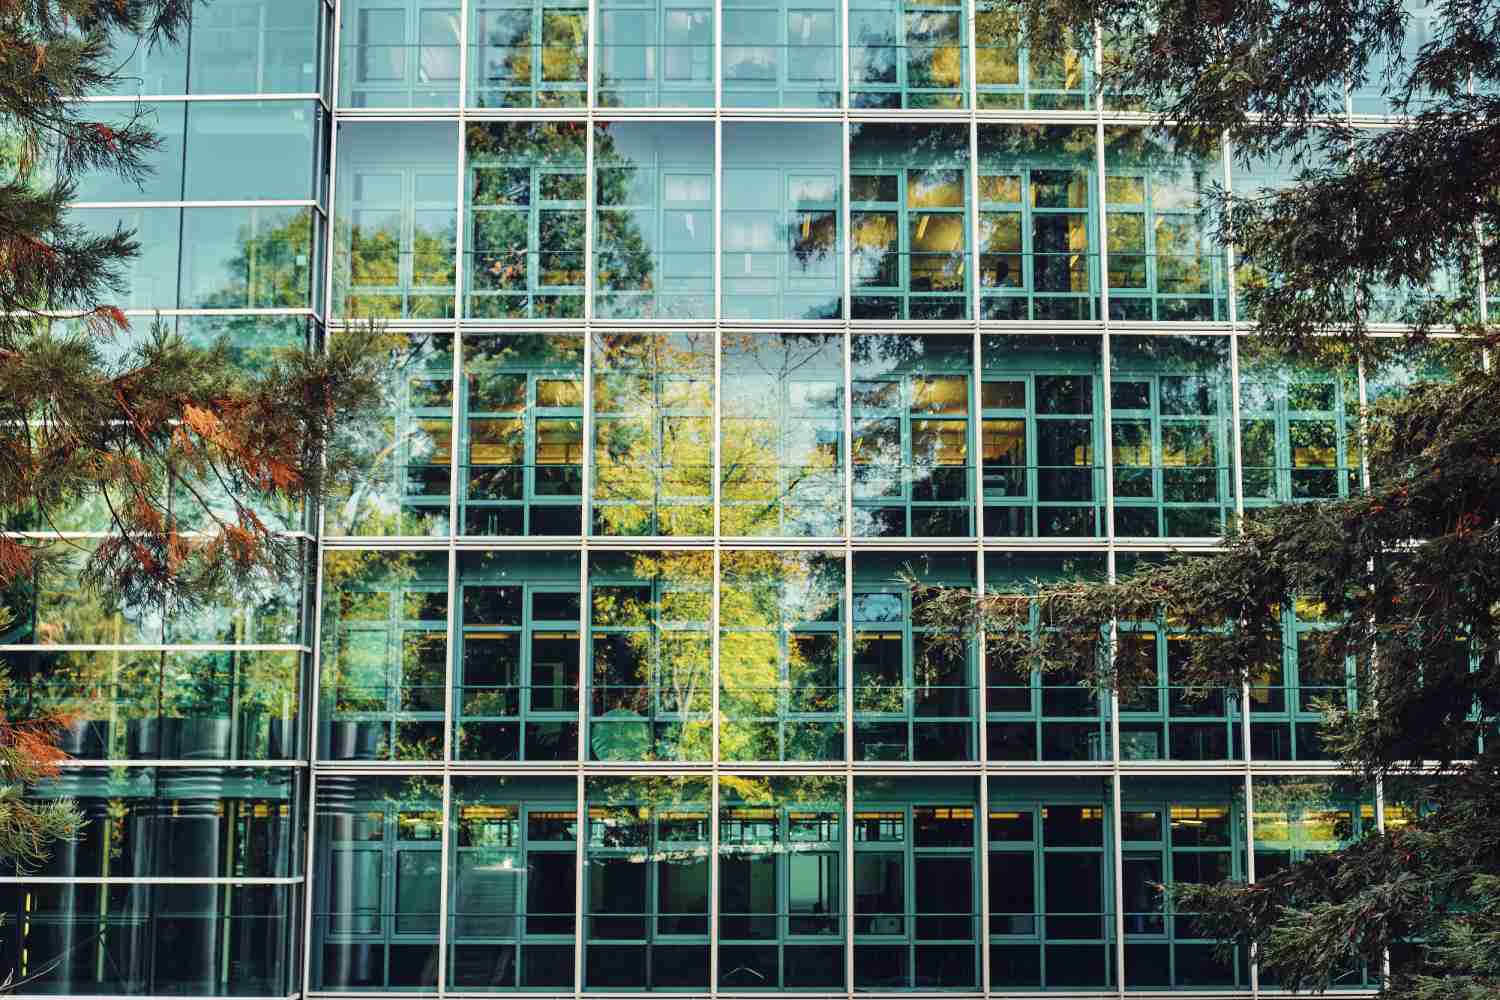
(707, 327)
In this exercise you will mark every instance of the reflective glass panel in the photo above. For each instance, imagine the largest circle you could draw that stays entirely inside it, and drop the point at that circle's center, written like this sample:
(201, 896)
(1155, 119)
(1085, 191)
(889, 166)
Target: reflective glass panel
(781, 689)
(384, 656)
(653, 433)
(781, 431)
(651, 693)
(912, 435)
(1043, 412)
(521, 435)
(1164, 263)
(654, 219)
(395, 223)
(516, 690)
(525, 205)
(909, 221)
(782, 251)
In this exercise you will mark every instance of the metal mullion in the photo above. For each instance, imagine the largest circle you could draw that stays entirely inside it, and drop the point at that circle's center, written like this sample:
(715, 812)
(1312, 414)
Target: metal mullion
(580, 870)
(713, 865)
(444, 859)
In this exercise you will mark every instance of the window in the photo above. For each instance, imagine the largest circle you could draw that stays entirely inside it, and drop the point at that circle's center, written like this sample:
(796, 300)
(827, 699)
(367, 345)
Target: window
(912, 435)
(653, 434)
(378, 889)
(512, 883)
(913, 693)
(782, 252)
(908, 196)
(1168, 720)
(1170, 436)
(396, 224)
(1031, 715)
(908, 54)
(654, 219)
(532, 55)
(1043, 476)
(651, 693)
(915, 884)
(516, 696)
(1298, 432)
(384, 668)
(1037, 223)
(399, 54)
(781, 694)
(1163, 263)
(1184, 830)
(526, 220)
(655, 54)
(1285, 721)
(781, 873)
(1049, 858)
(522, 435)
(780, 54)
(781, 432)
(1011, 76)
(646, 889)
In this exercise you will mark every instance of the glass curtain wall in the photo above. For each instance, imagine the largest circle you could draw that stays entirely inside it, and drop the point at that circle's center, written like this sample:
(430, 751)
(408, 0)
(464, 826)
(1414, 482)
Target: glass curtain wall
(706, 330)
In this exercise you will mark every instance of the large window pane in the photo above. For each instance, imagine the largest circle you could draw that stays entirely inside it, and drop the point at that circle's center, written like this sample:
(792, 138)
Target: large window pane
(781, 876)
(528, 54)
(1038, 223)
(653, 434)
(1163, 718)
(148, 280)
(781, 689)
(1011, 75)
(248, 258)
(916, 884)
(378, 887)
(404, 456)
(781, 432)
(914, 693)
(522, 435)
(395, 222)
(1030, 715)
(782, 248)
(912, 435)
(512, 883)
(1164, 264)
(237, 151)
(654, 218)
(398, 54)
(516, 693)
(149, 705)
(228, 939)
(525, 207)
(384, 656)
(1051, 923)
(256, 47)
(650, 694)
(909, 195)
(646, 902)
(1180, 829)
(908, 54)
(1298, 427)
(780, 54)
(655, 54)
(1170, 436)
(1043, 406)
(178, 822)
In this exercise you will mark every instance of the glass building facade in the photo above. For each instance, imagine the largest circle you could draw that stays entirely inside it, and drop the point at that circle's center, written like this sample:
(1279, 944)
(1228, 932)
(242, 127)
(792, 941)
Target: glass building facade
(708, 326)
